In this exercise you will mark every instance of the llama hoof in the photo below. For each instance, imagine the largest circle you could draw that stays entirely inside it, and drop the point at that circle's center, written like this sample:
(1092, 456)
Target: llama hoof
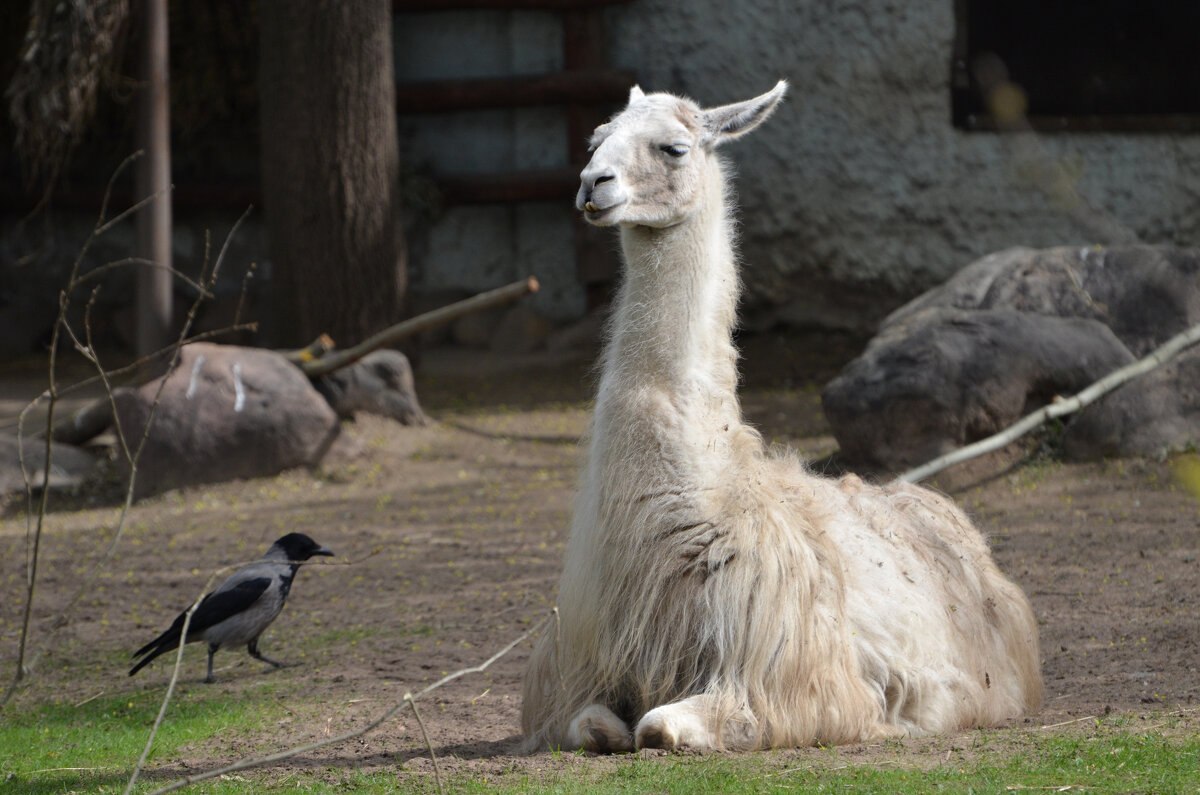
(672, 727)
(599, 730)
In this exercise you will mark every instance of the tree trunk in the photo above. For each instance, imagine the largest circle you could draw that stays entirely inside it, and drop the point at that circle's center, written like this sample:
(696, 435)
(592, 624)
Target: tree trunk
(331, 161)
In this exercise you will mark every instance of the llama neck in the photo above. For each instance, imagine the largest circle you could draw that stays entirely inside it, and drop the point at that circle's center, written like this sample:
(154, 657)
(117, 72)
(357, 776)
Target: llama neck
(675, 312)
(670, 355)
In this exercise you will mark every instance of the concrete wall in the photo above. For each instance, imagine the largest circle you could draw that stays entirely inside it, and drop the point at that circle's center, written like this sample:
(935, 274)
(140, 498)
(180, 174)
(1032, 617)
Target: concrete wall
(477, 247)
(857, 195)
(861, 181)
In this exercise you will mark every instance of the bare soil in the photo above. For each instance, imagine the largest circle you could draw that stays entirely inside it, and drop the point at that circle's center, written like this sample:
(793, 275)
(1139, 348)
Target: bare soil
(449, 542)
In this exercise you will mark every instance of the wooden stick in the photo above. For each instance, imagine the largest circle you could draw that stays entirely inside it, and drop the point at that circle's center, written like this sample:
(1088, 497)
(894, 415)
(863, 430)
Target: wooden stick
(319, 347)
(338, 359)
(1167, 351)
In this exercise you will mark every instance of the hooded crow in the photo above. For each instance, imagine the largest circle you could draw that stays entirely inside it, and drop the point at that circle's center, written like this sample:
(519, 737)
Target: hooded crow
(242, 607)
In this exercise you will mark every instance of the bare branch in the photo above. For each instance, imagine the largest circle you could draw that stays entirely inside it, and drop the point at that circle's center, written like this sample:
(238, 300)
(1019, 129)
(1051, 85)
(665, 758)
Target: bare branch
(102, 270)
(437, 770)
(416, 325)
(162, 710)
(128, 211)
(25, 662)
(1058, 408)
(408, 699)
(108, 188)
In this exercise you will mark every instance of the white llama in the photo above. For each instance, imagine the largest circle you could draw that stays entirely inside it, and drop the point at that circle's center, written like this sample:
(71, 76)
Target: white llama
(718, 596)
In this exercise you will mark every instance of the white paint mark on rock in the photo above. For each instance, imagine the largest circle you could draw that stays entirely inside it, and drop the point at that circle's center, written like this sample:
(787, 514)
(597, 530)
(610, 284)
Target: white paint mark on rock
(196, 365)
(239, 390)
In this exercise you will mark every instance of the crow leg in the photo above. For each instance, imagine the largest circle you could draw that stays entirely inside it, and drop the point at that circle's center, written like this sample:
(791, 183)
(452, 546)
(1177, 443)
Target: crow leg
(211, 651)
(252, 647)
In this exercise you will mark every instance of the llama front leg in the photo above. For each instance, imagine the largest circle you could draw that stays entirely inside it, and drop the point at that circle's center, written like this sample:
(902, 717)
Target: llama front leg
(692, 723)
(597, 728)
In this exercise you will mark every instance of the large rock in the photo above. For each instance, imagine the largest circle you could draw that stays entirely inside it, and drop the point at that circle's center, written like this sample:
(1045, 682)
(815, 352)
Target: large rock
(225, 412)
(69, 465)
(1010, 332)
(379, 383)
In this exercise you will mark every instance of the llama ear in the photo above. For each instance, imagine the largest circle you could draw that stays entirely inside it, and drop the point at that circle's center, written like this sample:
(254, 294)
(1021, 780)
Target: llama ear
(730, 121)
(635, 94)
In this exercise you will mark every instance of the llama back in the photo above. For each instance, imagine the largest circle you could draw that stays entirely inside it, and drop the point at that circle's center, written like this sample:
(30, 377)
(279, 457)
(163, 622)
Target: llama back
(948, 639)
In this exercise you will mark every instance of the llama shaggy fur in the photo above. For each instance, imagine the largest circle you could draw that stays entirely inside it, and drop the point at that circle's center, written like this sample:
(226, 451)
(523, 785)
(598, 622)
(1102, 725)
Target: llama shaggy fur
(718, 595)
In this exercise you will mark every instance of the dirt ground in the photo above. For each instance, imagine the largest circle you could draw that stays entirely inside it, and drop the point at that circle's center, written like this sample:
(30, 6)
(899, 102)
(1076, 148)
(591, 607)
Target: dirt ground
(449, 542)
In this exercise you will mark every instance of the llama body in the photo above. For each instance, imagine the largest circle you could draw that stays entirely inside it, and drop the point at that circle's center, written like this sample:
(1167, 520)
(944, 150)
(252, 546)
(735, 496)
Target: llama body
(717, 595)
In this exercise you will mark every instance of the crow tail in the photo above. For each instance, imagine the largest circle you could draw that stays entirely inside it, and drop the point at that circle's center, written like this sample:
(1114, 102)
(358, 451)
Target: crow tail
(160, 645)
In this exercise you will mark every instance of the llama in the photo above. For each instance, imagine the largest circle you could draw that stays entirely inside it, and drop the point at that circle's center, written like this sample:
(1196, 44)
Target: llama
(717, 595)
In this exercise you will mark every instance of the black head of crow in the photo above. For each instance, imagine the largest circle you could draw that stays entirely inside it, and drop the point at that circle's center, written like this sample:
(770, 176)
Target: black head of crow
(238, 610)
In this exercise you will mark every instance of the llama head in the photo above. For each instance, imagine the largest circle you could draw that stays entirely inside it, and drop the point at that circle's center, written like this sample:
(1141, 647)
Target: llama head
(650, 163)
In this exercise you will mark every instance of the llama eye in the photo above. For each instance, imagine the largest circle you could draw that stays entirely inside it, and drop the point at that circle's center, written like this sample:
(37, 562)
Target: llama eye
(675, 150)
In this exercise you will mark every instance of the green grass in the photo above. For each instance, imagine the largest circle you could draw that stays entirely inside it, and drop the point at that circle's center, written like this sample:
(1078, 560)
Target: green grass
(1117, 762)
(103, 738)
(1120, 762)
(92, 747)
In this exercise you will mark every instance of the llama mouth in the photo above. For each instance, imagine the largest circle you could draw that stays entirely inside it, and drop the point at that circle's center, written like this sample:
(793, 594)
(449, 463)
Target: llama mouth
(595, 214)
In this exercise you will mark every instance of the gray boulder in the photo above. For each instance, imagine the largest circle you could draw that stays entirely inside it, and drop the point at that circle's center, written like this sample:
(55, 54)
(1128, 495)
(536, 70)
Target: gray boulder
(69, 465)
(225, 412)
(379, 383)
(1010, 332)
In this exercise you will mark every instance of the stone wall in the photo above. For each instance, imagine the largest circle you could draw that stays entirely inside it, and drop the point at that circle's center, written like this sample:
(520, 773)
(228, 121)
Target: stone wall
(858, 195)
(860, 192)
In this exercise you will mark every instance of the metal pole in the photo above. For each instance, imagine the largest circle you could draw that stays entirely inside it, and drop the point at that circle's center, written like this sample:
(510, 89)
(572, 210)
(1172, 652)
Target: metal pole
(153, 176)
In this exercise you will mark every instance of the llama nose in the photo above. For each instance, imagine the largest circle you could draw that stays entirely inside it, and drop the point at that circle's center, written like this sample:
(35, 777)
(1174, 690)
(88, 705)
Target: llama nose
(592, 179)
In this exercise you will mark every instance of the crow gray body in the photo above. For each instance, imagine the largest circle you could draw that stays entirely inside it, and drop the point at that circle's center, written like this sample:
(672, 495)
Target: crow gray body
(242, 607)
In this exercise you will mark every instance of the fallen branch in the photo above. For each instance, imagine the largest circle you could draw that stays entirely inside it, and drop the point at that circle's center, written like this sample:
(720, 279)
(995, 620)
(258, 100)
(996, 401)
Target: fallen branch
(437, 770)
(408, 699)
(1058, 408)
(335, 360)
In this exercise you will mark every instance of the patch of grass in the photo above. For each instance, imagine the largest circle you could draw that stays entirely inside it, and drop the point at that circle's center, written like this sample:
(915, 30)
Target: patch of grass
(1118, 761)
(92, 747)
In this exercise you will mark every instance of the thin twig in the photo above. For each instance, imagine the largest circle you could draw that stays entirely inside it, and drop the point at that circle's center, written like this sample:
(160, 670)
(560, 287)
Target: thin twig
(162, 710)
(128, 211)
(1058, 408)
(87, 700)
(241, 302)
(437, 770)
(108, 188)
(141, 262)
(35, 543)
(289, 753)
(25, 665)
(1068, 722)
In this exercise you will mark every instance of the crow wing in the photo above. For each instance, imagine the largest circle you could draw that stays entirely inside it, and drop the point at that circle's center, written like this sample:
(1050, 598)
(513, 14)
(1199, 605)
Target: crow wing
(227, 602)
(215, 607)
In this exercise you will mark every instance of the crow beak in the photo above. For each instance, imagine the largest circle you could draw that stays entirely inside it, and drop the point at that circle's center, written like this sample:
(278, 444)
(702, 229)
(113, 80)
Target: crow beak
(324, 551)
